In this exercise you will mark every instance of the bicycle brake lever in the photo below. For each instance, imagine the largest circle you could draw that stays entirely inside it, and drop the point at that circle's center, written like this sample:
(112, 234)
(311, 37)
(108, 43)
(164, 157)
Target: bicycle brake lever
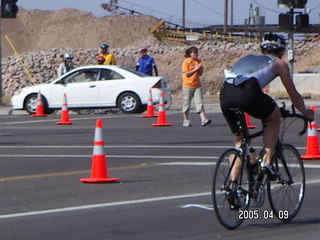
(306, 123)
(293, 109)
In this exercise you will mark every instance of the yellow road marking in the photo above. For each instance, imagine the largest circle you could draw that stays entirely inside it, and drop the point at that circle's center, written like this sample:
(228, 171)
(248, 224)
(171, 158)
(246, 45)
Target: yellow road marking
(44, 175)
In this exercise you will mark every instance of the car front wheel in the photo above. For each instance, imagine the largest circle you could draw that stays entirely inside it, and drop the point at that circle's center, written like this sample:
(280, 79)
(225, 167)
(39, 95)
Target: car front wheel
(30, 105)
(129, 103)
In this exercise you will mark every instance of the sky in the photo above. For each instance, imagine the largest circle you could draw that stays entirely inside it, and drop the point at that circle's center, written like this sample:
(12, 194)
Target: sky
(198, 13)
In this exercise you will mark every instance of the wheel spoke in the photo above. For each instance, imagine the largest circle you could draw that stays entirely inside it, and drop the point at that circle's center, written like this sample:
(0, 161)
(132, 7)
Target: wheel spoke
(227, 216)
(286, 195)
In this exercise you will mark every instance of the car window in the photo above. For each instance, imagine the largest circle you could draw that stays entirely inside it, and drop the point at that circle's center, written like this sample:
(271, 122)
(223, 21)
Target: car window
(107, 74)
(140, 74)
(82, 76)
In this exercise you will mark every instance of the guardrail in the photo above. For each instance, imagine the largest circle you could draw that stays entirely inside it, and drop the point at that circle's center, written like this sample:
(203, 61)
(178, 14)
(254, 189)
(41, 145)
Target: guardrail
(205, 36)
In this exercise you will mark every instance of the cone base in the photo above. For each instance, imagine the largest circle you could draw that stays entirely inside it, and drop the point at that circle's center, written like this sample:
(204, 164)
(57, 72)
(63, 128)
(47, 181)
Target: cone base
(149, 116)
(39, 115)
(161, 124)
(310, 157)
(64, 123)
(98, 180)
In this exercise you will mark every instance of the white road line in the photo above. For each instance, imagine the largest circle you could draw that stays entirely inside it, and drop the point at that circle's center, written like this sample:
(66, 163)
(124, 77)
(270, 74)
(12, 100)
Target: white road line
(54, 120)
(311, 166)
(113, 204)
(109, 156)
(114, 146)
(201, 206)
(306, 165)
(187, 163)
(102, 205)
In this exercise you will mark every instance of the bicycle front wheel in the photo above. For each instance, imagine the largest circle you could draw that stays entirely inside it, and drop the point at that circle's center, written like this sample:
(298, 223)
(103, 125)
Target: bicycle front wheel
(287, 192)
(228, 216)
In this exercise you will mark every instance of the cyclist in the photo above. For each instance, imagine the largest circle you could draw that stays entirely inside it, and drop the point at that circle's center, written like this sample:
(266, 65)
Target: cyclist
(242, 89)
(109, 58)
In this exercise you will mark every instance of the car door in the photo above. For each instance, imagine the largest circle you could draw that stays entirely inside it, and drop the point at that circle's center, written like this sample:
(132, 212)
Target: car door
(81, 87)
(111, 84)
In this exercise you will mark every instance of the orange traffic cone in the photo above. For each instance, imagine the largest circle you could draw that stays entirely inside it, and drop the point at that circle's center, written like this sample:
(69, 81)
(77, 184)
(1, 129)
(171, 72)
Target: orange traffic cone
(39, 109)
(64, 119)
(99, 172)
(162, 120)
(248, 121)
(150, 110)
(312, 149)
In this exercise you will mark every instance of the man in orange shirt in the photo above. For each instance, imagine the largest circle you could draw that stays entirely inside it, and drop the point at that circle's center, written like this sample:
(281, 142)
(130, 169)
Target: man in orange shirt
(192, 69)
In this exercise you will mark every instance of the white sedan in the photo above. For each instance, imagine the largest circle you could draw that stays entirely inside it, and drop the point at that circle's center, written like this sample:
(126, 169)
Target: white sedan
(96, 86)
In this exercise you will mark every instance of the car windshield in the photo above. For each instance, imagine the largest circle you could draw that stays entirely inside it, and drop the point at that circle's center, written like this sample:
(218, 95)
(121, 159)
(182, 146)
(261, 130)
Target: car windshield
(134, 72)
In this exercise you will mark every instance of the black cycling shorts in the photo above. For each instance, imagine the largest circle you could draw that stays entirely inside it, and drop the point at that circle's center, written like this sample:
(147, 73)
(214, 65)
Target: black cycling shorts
(249, 98)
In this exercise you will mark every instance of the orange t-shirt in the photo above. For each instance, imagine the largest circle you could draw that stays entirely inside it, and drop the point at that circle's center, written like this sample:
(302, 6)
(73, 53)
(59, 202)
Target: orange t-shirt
(192, 81)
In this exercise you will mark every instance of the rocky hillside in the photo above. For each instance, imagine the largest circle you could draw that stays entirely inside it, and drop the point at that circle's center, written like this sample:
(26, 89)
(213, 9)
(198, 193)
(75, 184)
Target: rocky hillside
(42, 36)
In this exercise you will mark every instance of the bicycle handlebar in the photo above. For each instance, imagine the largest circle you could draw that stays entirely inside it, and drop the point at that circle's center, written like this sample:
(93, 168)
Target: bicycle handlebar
(286, 113)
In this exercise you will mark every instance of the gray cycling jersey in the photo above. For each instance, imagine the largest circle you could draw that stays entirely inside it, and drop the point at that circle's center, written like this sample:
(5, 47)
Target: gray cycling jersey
(257, 66)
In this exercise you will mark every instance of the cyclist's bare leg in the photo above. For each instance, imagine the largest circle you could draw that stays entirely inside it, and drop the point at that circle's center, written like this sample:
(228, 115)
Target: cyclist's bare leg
(271, 133)
(235, 172)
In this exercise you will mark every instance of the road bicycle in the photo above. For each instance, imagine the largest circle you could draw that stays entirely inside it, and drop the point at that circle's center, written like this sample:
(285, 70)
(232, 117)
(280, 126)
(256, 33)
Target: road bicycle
(285, 191)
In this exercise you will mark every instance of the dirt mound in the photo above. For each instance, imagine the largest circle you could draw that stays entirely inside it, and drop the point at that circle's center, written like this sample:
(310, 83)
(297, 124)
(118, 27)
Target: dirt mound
(40, 30)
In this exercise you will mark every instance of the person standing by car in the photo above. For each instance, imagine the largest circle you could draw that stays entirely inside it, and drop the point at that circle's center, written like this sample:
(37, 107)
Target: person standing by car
(66, 65)
(192, 69)
(146, 63)
(104, 52)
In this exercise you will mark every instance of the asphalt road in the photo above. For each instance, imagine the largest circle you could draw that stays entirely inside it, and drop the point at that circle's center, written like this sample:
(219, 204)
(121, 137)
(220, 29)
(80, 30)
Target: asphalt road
(164, 189)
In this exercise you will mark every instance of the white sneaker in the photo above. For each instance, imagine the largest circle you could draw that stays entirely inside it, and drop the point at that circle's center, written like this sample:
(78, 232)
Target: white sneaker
(186, 123)
(205, 122)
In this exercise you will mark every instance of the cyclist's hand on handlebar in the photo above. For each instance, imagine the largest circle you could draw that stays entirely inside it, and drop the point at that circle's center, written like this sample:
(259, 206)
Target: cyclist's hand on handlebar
(309, 115)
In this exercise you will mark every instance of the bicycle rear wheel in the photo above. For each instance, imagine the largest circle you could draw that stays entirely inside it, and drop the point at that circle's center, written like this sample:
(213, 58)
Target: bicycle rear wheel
(228, 217)
(287, 192)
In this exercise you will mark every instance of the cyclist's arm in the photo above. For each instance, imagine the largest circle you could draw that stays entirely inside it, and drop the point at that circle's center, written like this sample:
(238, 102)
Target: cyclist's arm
(281, 69)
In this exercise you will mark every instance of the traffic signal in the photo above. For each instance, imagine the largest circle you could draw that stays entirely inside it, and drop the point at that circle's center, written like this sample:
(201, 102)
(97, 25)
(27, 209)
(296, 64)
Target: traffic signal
(302, 20)
(292, 3)
(286, 21)
(9, 8)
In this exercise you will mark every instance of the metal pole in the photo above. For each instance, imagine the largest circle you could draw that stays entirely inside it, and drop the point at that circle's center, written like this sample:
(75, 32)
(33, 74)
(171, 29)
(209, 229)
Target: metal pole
(231, 13)
(1, 95)
(291, 48)
(183, 13)
(225, 28)
(291, 53)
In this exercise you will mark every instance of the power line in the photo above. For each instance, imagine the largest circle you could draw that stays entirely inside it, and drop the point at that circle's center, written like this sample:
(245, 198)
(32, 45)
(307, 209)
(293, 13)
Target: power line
(314, 8)
(269, 9)
(207, 8)
(164, 15)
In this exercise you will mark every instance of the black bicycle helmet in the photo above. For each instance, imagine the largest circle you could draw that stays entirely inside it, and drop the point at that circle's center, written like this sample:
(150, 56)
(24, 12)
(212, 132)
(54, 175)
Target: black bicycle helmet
(273, 41)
